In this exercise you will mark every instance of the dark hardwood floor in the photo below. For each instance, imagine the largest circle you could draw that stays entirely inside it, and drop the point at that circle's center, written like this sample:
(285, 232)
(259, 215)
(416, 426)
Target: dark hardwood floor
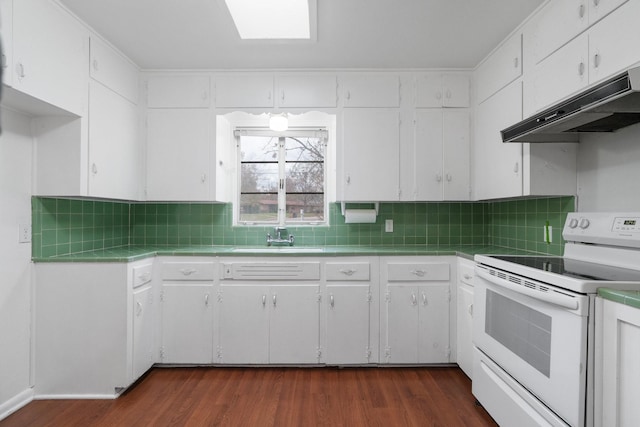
(274, 397)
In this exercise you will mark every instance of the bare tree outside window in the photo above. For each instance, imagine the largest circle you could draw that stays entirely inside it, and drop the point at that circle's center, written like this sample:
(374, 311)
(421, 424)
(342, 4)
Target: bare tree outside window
(282, 178)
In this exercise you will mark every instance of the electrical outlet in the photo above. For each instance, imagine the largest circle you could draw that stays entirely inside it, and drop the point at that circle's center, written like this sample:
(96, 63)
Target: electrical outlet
(547, 233)
(388, 225)
(25, 233)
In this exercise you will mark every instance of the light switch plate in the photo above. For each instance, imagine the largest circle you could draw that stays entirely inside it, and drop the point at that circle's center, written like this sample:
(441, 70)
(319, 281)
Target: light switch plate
(388, 225)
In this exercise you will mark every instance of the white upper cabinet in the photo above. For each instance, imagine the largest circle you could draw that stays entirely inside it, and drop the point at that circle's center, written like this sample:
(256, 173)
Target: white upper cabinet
(113, 70)
(114, 151)
(614, 41)
(370, 155)
(442, 90)
(244, 90)
(500, 69)
(6, 28)
(441, 156)
(370, 90)
(562, 20)
(178, 91)
(606, 48)
(299, 90)
(498, 166)
(562, 73)
(50, 51)
(179, 159)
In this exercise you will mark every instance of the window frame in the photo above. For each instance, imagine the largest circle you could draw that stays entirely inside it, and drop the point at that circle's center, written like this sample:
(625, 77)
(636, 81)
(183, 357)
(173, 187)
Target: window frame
(296, 132)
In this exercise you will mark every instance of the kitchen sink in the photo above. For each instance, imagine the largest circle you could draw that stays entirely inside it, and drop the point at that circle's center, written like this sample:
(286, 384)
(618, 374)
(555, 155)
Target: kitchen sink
(278, 249)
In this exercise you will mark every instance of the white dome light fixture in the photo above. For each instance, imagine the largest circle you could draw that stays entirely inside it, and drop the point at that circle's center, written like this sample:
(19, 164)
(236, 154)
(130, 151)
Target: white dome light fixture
(278, 122)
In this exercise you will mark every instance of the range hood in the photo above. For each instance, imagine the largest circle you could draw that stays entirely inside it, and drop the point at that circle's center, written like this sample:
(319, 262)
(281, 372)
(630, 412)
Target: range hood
(605, 107)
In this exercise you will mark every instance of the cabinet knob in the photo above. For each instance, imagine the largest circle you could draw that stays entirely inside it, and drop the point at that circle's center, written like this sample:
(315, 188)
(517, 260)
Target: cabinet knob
(448, 94)
(438, 95)
(331, 301)
(275, 300)
(470, 309)
(448, 177)
(348, 179)
(282, 95)
(438, 177)
(264, 300)
(203, 177)
(138, 308)
(348, 95)
(581, 69)
(206, 300)
(94, 169)
(596, 3)
(95, 64)
(414, 299)
(516, 62)
(424, 298)
(581, 11)
(516, 167)
(596, 60)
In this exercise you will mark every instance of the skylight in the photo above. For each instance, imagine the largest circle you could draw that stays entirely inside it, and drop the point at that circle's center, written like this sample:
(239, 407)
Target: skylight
(271, 19)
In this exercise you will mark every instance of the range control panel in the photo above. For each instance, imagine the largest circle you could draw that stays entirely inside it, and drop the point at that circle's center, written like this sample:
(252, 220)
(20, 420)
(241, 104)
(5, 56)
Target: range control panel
(605, 228)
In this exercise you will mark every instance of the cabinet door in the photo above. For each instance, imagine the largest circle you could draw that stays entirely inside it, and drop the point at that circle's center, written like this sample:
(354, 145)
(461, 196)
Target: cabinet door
(348, 319)
(613, 42)
(294, 324)
(455, 90)
(428, 155)
(429, 90)
(244, 90)
(498, 166)
(465, 326)
(113, 144)
(401, 340)
(598, 9)
(433, 329)
(178, 92)
(6, 26)
(243, 324)
(620, 368)
(143, 327)
(307, 90)
(455, 143)
(112, 70)
(50, 54)
(371, 90)
(187, 323)
(561, 74)
(371, 155)
(500, 69)
(179, 145)
(556, 24)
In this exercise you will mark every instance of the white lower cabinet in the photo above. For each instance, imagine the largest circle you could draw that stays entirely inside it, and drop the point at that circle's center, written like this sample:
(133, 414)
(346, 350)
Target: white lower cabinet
(264, 323)
(464, 313)
(618, 369)
(93, 339)
(415, 324)
(351, 312)
(187, 300)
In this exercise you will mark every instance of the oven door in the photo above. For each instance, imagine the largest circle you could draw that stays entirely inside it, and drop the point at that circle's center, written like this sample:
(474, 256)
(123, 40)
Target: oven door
(537, 335)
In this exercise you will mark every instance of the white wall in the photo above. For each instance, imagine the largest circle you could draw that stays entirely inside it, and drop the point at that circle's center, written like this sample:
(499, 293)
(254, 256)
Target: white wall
(609, 171)
(16, 150)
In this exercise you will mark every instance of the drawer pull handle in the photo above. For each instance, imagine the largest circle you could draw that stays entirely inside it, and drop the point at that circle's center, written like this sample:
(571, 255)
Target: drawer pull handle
(331, 301)
(264, 300)
(188, 271)
(424, 298)
(414, 299)
(470, 310)
(419, 273)
(275, 300)
(144, 277)
(206, 300)
(348, 271)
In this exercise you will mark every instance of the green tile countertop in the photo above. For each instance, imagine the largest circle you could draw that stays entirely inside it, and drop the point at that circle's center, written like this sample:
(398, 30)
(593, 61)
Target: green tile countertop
(631, 298)
(134, 253)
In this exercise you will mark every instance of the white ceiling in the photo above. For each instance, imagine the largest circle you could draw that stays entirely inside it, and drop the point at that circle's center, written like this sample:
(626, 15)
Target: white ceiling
(199, 34)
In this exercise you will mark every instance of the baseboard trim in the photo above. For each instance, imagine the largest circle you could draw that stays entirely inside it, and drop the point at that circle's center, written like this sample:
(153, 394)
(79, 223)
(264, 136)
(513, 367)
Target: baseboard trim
(74, 396)
(18, 401)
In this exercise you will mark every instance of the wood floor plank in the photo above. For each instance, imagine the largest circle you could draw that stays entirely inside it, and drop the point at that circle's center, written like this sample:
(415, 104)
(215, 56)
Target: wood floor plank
(273, 396)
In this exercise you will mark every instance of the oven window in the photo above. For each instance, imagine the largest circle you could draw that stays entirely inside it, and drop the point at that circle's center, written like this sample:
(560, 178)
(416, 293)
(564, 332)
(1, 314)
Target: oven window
(524, 331)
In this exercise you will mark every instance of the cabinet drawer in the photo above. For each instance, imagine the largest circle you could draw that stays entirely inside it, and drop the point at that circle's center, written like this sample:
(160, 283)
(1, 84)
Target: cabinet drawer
(466, 273)
(271, 270)
(416, 272)
(351, 271)
(142, 274)
(188, 271)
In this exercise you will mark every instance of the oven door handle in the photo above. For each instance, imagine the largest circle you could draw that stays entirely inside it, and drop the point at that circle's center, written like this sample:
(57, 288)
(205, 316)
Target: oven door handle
(555, 298)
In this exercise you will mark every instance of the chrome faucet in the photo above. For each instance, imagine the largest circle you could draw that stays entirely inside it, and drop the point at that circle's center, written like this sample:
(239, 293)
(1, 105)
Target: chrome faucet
(280, 234)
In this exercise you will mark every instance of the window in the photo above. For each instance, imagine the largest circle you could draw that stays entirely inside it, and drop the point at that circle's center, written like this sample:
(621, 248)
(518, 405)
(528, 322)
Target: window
(282, 176)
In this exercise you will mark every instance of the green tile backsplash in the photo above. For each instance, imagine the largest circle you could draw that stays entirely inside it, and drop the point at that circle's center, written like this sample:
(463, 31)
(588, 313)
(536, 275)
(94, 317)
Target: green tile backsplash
(65, 226)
